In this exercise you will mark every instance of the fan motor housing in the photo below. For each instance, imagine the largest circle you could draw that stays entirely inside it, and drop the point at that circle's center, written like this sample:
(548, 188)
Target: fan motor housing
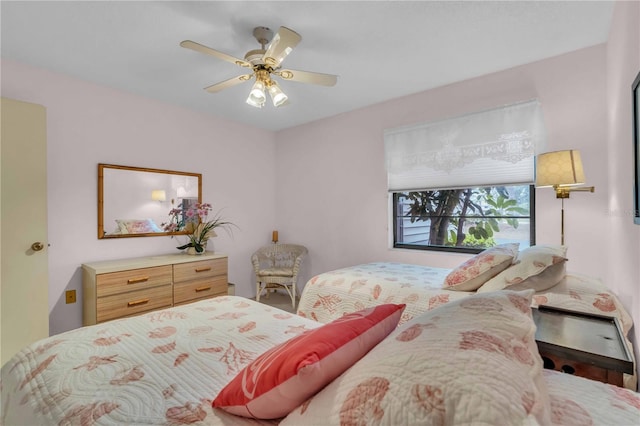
(254, 57)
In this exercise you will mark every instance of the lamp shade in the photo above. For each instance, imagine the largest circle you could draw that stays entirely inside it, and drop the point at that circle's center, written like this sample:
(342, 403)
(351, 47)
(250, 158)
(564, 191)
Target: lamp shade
(277, 95)
(158, 195)
(559, 168)
(257, 96)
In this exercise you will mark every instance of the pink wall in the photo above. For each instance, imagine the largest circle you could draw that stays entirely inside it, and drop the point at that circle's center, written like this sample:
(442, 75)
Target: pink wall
(89, 124)
(333, 191)
(328, 190)
(623, 64)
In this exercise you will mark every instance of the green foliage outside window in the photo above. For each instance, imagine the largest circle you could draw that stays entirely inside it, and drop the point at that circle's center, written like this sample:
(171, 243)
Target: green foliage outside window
(463, 218)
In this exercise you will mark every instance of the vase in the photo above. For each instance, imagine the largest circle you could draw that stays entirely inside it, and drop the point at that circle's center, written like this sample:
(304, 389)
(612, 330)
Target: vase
(192, 250)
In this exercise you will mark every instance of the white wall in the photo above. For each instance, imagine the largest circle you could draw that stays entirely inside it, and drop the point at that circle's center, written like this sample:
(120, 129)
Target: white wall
(332, 193)
(623, 252)
(89, 124)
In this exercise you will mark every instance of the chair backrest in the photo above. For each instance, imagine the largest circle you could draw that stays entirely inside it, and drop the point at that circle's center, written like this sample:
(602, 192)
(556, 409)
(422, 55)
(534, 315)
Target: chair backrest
(279, 256)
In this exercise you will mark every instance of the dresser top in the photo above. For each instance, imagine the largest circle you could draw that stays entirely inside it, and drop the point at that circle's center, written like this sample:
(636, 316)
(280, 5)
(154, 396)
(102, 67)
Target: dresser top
(107, 266)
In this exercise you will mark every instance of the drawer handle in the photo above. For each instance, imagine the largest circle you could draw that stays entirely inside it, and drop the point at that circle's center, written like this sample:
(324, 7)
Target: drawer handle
(138, 302)
(208, 268)
(137, 280)
(203, 288)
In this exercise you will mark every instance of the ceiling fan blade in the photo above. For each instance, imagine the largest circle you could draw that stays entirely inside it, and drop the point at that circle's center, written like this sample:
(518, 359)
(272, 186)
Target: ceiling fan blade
(281, 45)
(228, 83)
(308, 77)
(209, 51)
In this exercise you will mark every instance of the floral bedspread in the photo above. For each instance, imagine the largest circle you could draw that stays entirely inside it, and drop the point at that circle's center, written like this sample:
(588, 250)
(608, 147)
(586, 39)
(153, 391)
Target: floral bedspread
(330, 295)
(576, 401)
(164, 367)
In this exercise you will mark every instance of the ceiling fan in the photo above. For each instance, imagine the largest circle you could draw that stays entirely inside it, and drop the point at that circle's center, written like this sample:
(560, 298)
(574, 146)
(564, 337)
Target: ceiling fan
(264, 64)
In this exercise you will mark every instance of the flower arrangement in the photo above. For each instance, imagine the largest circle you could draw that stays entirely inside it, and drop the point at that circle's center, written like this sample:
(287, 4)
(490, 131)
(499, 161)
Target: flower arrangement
(195, 221)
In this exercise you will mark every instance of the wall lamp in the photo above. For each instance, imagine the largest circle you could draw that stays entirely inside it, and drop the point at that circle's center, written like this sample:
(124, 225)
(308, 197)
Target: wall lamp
(563, 171)
(158, 195)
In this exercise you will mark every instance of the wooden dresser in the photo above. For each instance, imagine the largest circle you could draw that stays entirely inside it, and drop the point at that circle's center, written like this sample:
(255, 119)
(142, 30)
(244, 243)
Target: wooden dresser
(119, 288)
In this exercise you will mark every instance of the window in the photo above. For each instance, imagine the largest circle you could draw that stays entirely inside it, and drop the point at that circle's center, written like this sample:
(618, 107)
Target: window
(466, 220)
(464, 183)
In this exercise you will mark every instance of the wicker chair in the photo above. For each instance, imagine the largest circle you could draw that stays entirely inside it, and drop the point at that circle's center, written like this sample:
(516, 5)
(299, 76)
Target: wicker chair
(277, 265)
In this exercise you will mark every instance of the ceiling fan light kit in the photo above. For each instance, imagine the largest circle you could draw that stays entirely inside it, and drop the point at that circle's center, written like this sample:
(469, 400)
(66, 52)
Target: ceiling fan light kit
(265, 63)
(256, 95)
(277, 95)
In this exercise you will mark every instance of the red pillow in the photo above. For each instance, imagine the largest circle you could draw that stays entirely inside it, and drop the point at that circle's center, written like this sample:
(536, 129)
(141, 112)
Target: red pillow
(285, 376)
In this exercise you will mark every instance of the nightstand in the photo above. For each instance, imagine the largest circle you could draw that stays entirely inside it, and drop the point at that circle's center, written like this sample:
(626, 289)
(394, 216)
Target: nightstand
(586, 345)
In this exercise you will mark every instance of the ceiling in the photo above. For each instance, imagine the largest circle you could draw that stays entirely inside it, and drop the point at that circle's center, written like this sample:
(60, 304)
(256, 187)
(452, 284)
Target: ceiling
(380, 50)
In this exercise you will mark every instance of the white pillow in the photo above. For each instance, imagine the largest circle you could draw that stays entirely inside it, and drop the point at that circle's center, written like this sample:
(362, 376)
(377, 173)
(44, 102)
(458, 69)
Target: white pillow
(470, 275)
(536, 267)
(470, 361)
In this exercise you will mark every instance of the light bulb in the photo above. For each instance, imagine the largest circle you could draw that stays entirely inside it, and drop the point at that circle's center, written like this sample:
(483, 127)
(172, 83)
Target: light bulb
(277, 96)
(257, 96)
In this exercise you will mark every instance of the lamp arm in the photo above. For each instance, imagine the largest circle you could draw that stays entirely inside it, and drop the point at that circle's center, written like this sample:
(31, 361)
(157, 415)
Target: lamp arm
(564, 191)
(583, 189)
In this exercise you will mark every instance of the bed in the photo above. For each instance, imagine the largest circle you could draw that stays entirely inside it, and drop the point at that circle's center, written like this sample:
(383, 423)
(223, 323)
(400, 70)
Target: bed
(157, 368)
(329, 295)
(475, 357)
(166, 367)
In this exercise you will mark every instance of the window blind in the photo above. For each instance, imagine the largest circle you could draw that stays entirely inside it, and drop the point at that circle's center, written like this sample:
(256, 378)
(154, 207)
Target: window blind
(486, 148)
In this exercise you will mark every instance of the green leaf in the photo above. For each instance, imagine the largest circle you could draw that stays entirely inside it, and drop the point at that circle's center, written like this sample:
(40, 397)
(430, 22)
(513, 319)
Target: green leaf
(483, 233)
(520, 210)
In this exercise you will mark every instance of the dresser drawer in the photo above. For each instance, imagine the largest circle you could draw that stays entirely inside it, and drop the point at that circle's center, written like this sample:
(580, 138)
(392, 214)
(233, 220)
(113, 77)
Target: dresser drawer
(199, 289)
(199, 270)
(118, 282)
(133, 302)
(120, 288)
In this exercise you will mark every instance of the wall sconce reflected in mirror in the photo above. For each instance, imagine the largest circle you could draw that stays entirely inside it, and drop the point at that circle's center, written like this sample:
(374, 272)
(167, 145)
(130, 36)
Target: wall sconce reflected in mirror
(563, 171)
(159, 195)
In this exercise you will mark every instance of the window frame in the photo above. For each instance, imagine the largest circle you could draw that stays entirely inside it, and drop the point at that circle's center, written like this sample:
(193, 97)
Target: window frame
(453, 249)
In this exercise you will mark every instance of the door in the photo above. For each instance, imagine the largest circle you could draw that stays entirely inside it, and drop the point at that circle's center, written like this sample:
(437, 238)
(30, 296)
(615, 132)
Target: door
(24, 286)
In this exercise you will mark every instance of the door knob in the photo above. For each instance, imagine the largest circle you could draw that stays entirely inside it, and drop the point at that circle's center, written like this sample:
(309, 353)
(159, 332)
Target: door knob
(37, 246)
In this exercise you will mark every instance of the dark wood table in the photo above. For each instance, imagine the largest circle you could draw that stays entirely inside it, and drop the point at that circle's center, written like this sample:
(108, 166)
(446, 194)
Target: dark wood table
(583, 344)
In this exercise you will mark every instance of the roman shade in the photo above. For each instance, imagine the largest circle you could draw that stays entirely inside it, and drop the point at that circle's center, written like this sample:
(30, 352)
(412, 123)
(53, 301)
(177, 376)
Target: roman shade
(487, 148)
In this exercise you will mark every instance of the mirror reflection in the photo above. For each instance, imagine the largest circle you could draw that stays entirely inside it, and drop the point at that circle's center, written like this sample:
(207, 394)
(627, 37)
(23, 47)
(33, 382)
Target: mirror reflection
(135, 202)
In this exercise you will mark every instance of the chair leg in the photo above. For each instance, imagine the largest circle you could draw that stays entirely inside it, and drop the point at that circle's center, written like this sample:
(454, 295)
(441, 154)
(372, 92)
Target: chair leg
(293, 296)
(291, 291)
(258, 291)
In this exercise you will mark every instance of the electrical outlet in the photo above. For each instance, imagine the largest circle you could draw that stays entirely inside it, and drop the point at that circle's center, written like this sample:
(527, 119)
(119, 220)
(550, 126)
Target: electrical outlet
(71, 296)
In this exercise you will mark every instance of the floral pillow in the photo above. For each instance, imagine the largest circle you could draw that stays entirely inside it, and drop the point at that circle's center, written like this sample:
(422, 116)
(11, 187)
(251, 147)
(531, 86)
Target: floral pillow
(537, 267)
(283, 377)
(485, 265)
(470, 361)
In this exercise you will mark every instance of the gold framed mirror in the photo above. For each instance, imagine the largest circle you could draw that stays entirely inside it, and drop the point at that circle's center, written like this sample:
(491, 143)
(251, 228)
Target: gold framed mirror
(136, 201)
